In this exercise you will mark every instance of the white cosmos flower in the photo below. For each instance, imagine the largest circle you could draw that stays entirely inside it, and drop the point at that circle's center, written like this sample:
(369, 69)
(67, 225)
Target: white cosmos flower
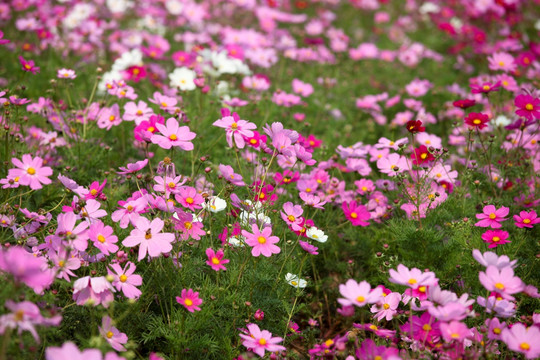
(316, 234)
(237, 241)
(183, 78)
(215, 204)
(295, 281)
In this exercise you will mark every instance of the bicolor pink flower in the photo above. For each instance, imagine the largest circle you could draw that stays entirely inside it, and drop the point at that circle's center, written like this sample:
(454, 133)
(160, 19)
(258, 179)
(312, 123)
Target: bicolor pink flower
(523, 340)
(501, 281)
(125, 280)
(495, 238)
(312, 200)
(452, 311)
(149, 237)
(188, 225)
(526, 219)
(190, 300)
(261, 241)
(357, 214)
(259, 341)
(31, 172)
(113, 336)
(95, 190)
(491, 217)
(424, 328)
(168, 185)
(172, 134)
(166, 103)
(216, 260)
(455, 331)
(93, 291)
(358, 294)
(413, 278)
(26, 268)
(236, 129)
(292, 215)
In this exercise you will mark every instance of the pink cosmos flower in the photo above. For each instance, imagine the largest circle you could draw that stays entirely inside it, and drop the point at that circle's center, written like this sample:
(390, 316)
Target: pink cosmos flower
(358, 294)
(137, 112)
(190, 300)
(452, 311)
(292, 215)
(188, 225)
(26, 268)
(495, 238)
(387, 306)
(523, 339)
(412, 278)
(495, 328)
(63, 262)
(392, 164)
(129, 212)
(113, 336)
(485, 87)
(66, 74)
(216, 260)
(188, 197)
(228, 173)
(31, 171)
(261, 241)
(70, 351)
(103, 238)
(501, 281)
(455, 331)
(260, 341)
(385, 143)
(93, 291)
(149, 238)
(172, 134)
(502, 61)
(526, 219)
(424, 328)
(125, 280)
(528, 106)
(236, 128)
(490, 258)
(312, 200)
(132, 167)
(109, 117)
(166, 103)
(302, 88)
(25, 316)
(491, 217)
(95, 190)
(356, 214)
(307, 247)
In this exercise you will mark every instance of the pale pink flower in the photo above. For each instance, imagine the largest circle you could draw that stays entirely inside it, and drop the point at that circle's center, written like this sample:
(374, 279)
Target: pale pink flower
(125, 280)
(260, 341)
(172, 134)
(31, 172)
(358, 294)
(501, 281)
(149, 238)
(113, 336)
(261, 241)
(93, 291)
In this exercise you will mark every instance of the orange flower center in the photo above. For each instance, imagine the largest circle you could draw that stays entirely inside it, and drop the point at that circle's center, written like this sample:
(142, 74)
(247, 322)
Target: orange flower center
(524, 346)
(360, 299)
(189, 200)
(386, 306)
(526, 221)
(426, 327)
(291, 218)
(109, 334)
(173, 137)
(496, 239)
(262, 341)
(123, 278)
(492, 216)
(529, 107)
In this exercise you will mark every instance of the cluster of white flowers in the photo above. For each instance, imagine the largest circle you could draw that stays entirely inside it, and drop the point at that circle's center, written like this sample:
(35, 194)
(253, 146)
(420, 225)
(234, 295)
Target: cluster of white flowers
(78, 15)
(218, 63)
(128, 59)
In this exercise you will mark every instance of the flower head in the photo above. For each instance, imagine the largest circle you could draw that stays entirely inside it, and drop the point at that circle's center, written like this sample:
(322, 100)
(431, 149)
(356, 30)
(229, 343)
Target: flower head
(260, 341)
(492, 217)
(190, 300)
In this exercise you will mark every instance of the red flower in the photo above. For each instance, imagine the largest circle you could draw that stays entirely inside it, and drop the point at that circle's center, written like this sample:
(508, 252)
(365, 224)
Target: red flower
(415, 126)
(477, 120)
(421, 155)
(464, 104)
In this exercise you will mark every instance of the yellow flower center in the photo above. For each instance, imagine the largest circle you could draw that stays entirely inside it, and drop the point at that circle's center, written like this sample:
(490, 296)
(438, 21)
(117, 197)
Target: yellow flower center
(234, 126)
(109, 334)
(524, 346)
(101, 238)
(423, 156)
(188, 225)
(112, 118)
(378, 357)
(188, 302)
(19, 315)
(499, 286)
(386, 306)
(171, 185)
(354, 215)
(329, 342)
(189, 200)
(364, 188)
(164, 104)
(501, 63)
(492, 216)
(373, 327)
(294, 283)
(412, 281)
(148, 236)
(31, 171)
(262, 342)
(477, 121)
(392, 143)
(261, 240)
(253, 141)
(526, 221)
(496, 239)
(360, 299)
(61, 263)
(422, 289)
(151, 129)
(215, 261)
(426, 327)
(291, 218)
(123, 278)
(455, 336)
(139, 113)
(529, 107)
(173, 137)
(485, 87)
(497, 331)
(93, 192)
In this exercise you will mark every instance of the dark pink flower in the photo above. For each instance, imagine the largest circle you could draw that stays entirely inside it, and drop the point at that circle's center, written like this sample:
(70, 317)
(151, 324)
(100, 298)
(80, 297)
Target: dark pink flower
(491, 217)
(190, 300)
(495, 238)
(526, 219)
(528, 106)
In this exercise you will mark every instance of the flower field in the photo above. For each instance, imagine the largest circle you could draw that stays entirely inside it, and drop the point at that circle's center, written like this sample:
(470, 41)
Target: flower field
(280, 179)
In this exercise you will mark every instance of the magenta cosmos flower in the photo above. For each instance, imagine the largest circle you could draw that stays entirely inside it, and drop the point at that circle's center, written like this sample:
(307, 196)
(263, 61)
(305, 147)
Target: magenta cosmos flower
(190, 300)
(29, 65)
(31, 172)
(523, 339)
(216, 260)
(261, 241)
(501, 281)
(260, 341)
(358, 294)
(172, 134)
(526, 219)
(528, 106)
(495, 238)
(149, 238)
(491, 217)
(356, 214)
